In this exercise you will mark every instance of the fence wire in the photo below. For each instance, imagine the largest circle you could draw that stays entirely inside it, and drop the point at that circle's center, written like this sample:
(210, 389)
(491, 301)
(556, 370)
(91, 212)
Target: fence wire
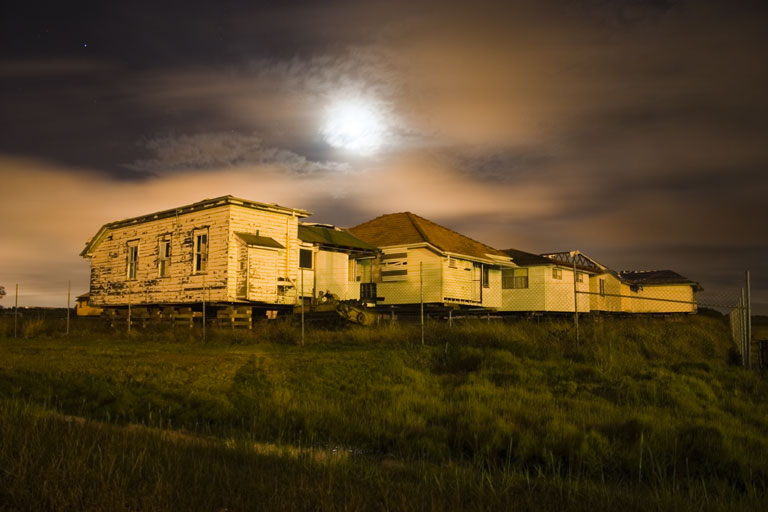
(441, 291)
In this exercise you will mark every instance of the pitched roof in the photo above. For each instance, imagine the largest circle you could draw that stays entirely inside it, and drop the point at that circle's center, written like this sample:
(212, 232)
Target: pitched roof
(647, 277)
(91, 244)
(332, 236)
(407, 228)
(527, 259)
(259, 241)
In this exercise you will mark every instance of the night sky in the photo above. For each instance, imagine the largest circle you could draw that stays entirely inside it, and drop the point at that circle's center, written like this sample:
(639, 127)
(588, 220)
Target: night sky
(634, 131)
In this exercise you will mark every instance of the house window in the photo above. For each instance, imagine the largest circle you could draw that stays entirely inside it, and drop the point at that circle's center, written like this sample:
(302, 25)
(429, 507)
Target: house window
(164, 258)
(451, 262)
(305, 258)
(512, 279)
(201, 251)
(579, 277)
(486, 277)
(132, 259)
(557, 273)
(394, 266)
(602, 287)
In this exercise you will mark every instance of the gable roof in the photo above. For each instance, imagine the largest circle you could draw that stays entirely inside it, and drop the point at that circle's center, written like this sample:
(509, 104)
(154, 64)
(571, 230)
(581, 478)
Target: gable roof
(259, 241)
(649, 277)
(326, 235)
(527, 259)
(91, 244)
(407, 228)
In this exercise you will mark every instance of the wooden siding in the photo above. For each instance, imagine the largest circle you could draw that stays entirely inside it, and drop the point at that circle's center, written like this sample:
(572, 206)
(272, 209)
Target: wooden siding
(109, 283)
(234, 272)
(607, 302)
(445, 281)
(332, 270)
(668, 292)
(408, 291)
(283, 228)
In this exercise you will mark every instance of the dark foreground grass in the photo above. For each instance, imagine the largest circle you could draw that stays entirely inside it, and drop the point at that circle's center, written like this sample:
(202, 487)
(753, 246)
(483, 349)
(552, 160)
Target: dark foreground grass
(642, 413)
(51, 462)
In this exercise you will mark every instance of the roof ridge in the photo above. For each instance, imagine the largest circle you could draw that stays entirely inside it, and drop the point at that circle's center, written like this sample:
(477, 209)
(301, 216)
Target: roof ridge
(418, 228)
(454, 232)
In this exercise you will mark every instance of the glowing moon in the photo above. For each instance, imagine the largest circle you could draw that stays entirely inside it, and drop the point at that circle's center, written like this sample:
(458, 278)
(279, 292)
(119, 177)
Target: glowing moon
(355, 126)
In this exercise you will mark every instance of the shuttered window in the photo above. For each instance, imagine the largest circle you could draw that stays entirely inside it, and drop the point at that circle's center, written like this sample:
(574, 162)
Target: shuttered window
(394, 266)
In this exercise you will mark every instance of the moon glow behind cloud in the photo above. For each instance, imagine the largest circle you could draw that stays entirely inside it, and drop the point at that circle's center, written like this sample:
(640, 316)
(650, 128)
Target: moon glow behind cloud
(356, 126)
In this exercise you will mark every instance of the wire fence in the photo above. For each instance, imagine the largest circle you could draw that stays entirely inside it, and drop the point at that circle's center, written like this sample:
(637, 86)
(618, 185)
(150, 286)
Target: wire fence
(451, 292)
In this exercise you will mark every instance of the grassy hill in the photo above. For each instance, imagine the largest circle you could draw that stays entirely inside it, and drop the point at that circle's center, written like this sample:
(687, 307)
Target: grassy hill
(642, 412)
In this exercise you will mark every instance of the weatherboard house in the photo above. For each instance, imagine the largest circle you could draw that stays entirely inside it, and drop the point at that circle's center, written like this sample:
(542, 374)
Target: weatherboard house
(631, 291)
(421, 260)
(543, 284)
(225, 250)
(333, 261)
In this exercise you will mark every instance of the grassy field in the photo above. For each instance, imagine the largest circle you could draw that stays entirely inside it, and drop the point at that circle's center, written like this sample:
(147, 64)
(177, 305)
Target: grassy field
(644, 412)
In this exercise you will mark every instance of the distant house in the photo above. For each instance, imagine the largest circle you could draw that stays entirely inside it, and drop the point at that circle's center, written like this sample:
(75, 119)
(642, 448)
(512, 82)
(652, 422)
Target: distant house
(83, 306)
(225, 250)
(659, 291)
(333, 260)
(421, 259)
(546, 284)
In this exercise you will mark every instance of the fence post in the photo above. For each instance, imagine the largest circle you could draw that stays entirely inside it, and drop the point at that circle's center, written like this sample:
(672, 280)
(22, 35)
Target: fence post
(69, 294)
(748, 333)
(203, 308)
(421, 297)
(129, 305)
(575, 302)
(742, 329)
(16, 313)
(302, 305)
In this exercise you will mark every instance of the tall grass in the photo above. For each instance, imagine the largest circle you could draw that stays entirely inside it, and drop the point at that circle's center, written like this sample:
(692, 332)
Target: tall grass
(640, 407)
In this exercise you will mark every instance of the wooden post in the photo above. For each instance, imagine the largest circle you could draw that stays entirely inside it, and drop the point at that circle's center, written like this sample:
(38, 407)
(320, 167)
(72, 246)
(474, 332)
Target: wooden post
(748, 330)
(69, 293)
(203, 308)
(16, 313)
(129, 304)
(575, 302)
(421, 297)
(302, 305)
(743, 328)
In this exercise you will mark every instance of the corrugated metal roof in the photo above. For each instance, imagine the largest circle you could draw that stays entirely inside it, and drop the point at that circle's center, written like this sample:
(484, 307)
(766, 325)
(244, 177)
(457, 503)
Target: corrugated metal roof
(259, 241)
(407, 228)
(330, 235)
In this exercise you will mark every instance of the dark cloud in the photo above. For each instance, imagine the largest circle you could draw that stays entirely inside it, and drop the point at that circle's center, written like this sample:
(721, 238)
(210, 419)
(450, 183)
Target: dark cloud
(634, 129)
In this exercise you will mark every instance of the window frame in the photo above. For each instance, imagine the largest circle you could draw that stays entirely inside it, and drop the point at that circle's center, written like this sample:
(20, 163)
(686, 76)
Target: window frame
(515, 282)
(303, 251)
(557, 273)
(164, 256)
(485, 276)
(200, 256)
(131, 260)
(601, 285)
